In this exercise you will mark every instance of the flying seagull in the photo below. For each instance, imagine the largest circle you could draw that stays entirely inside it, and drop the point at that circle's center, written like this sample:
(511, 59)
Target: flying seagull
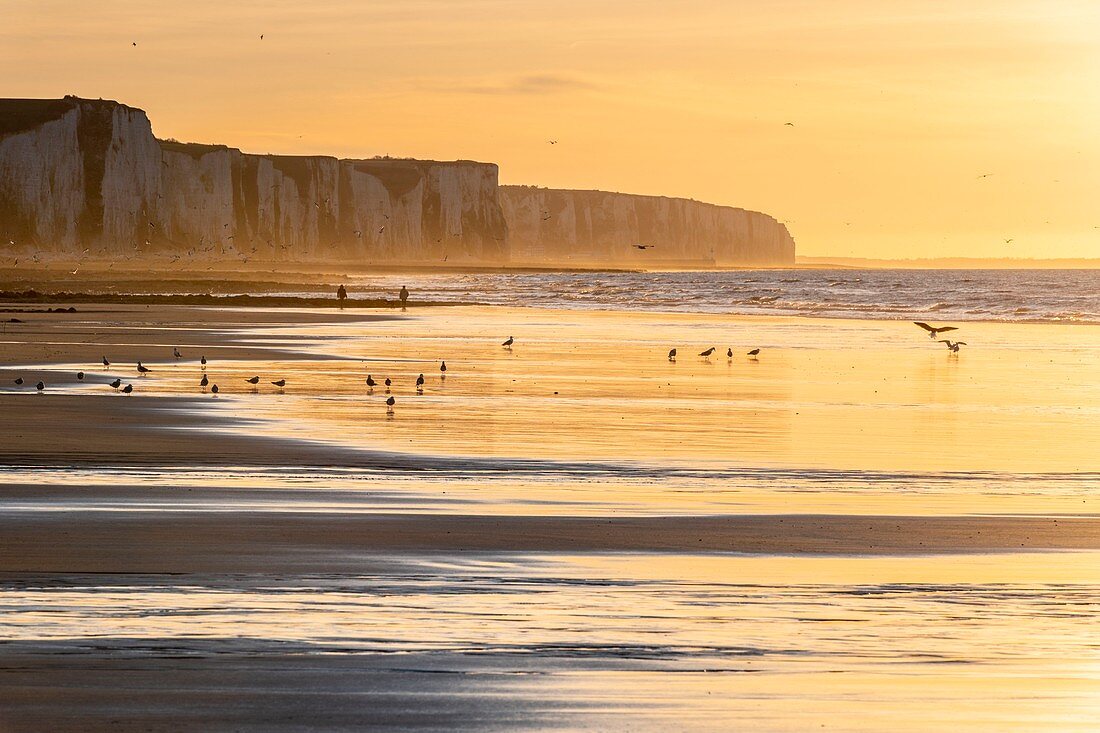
(954, 345)
(642, 246)
(934, 331)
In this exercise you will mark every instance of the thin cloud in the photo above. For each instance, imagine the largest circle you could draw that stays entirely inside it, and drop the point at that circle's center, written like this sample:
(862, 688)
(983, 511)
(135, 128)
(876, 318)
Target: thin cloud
(532, 84)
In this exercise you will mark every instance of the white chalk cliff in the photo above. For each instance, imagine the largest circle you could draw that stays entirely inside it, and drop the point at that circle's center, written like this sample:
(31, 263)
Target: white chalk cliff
(88, 179)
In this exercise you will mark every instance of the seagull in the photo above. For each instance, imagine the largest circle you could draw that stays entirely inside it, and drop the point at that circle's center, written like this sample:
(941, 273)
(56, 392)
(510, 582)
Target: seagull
(443, 369)
(176, 353)
(706, 354)
(390, 403)
(642, 246)
(214, 389)
(203, 382)
(672, 354)
(552, 142)
(934, 331)
(729, 353)
(253, 380)
(116, 384)
(106, 363)
(142, 370)
(202, 360)
(388, 383)
(420, 383)
(40, 386)
(508, 344)
(279, 383)
(19, 380)
(371, 382)
(754, 353)
(788, 124)
(954, 345)
(128, 389)
(80, 375)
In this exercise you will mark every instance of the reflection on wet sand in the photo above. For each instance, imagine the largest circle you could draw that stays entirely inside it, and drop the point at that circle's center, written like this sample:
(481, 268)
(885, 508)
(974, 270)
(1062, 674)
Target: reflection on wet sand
(572, 534)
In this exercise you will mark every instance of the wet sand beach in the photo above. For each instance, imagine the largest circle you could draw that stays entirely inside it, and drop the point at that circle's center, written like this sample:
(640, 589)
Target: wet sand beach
(574, 533)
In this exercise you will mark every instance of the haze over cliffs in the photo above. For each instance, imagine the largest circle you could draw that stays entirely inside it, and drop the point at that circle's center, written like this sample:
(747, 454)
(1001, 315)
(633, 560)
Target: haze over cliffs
(86, 179)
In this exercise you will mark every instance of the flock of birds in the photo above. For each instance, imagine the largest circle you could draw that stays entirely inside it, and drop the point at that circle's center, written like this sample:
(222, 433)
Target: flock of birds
(205, 383)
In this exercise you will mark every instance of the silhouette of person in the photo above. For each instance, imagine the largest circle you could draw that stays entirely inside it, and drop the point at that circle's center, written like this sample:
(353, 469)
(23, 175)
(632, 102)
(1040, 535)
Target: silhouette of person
(341, 294)
(404, 295)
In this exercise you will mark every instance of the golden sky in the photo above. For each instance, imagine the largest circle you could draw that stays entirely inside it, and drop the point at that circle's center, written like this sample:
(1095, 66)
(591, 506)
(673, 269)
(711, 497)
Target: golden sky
(898, 106)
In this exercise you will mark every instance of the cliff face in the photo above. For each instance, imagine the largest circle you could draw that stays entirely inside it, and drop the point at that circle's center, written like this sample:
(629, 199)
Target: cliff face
(80, 175)
(599, 228)
(88, 180)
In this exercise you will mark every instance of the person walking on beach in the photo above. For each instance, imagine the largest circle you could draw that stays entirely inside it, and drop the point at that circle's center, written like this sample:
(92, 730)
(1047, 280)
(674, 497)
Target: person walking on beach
(404, 295)
(341, 294)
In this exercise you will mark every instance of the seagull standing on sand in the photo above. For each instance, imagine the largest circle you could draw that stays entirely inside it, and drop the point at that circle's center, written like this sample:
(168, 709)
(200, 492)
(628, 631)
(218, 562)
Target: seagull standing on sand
(934, 331)
(754, 353)
(214, 389)
(128, 389)
(729, 353)
(40, 386)
(142, 369)
(176, 353)
(371, 382)
(706, 354)
(388, 383)
(442, 370)
(253, 380)
(508, 344)
(672, 354)
(390, 402)
(420, 383)
(19, 381)
(280, 383)
(203, 382)
(953, 346)
(202, 361)
(80, 376)
(116, 384)
(106, 364)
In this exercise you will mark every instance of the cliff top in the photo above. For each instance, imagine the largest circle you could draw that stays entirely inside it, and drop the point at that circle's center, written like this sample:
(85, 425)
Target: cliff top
(597, 192)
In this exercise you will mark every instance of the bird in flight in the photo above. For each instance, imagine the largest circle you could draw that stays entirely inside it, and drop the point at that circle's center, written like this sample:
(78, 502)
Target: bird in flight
(643, 246)
(552, 142)
(953, 346)
(985, 175)
(1008, 241)
(933, 331)
(788, 124)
